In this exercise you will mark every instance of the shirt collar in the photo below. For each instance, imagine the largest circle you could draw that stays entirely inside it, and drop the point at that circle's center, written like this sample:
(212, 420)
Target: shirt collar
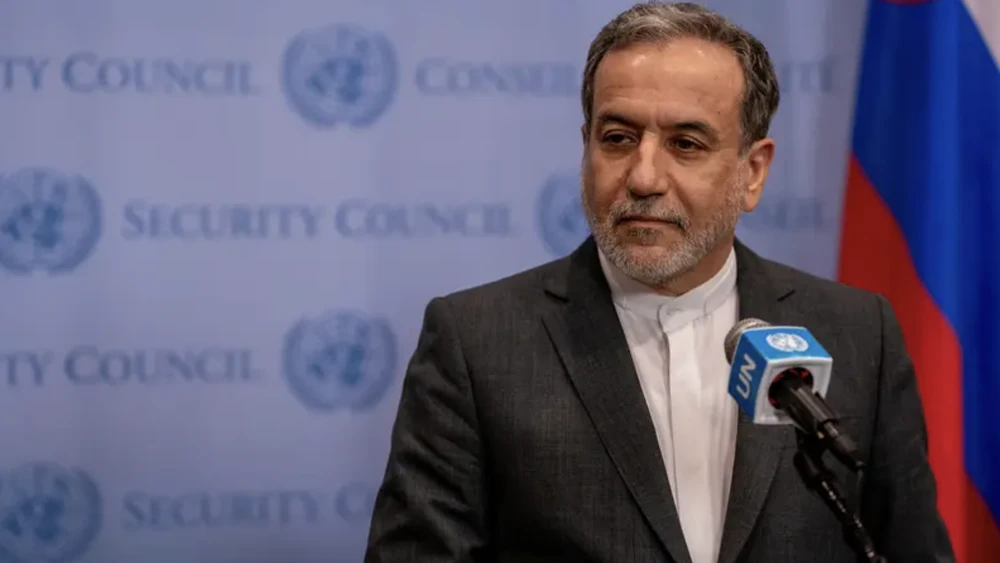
(680, 309)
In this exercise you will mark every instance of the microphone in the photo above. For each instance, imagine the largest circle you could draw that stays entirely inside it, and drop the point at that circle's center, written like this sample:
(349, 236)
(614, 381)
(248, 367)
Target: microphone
(780, 375)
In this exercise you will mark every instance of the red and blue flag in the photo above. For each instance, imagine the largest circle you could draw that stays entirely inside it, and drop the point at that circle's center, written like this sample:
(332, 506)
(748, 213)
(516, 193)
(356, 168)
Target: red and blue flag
(922, 227)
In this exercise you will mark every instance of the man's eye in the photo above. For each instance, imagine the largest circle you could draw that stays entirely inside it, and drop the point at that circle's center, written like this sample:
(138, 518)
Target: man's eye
(616, 138)
(686, 145)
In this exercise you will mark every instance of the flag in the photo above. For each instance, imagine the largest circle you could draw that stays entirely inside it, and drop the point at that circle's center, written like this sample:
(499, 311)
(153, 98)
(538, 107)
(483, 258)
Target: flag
(922, 227)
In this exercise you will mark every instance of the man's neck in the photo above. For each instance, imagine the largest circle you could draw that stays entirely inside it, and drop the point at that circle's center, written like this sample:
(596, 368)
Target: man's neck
(701, 272)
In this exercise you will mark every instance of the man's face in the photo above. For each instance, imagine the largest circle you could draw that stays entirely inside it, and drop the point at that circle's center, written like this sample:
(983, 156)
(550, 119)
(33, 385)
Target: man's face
(664, 181)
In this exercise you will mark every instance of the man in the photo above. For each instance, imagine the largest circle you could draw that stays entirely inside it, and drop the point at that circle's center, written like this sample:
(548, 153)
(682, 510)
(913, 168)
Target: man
(579, 411)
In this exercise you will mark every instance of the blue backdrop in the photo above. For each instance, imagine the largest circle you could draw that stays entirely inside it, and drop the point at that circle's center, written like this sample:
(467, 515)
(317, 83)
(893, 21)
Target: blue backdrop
(220, 222)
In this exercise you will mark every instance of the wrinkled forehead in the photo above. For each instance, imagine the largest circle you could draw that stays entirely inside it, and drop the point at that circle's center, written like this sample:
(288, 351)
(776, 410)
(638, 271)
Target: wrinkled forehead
(661, 84)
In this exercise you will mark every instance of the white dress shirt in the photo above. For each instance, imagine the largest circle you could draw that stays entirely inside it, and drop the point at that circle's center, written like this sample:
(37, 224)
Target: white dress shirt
(677, 346)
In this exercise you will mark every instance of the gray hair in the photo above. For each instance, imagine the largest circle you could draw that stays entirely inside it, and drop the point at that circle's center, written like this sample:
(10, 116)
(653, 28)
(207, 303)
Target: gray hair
(655, 22)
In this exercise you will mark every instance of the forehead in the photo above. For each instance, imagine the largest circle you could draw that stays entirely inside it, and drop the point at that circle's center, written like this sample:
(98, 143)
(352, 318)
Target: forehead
(677, 81)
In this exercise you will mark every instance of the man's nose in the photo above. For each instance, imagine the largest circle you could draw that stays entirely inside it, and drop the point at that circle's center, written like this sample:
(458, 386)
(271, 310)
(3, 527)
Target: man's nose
(646, 177)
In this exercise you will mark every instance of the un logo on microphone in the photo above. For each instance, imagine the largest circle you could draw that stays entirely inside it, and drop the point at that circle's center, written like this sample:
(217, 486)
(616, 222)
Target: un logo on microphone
(787, 342)
(49, 221)
(559, 215)
(48, 513)
(340, 360)
(340, 74)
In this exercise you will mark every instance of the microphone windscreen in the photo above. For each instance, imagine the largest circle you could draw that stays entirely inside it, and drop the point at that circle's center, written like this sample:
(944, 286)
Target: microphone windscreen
(733, 337)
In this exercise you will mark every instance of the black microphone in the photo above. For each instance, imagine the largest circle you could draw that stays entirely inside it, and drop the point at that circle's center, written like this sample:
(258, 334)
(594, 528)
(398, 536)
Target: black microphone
(780, 375)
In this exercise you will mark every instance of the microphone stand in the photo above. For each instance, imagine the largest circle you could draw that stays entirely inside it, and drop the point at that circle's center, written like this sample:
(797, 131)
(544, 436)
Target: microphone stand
(809, 462)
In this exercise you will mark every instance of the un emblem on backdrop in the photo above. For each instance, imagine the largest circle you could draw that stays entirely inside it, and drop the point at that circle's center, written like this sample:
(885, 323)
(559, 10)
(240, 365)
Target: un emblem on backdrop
(340, 74)
(340, 360)
(560, 217)
(48, 513)
(48, 221)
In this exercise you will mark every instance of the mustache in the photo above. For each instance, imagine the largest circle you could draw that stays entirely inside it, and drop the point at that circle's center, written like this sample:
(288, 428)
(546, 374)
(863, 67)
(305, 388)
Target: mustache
(624, 210)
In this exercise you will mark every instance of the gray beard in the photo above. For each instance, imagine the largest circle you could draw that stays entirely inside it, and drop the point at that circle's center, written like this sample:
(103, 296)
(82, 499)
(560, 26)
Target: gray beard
(682, 256)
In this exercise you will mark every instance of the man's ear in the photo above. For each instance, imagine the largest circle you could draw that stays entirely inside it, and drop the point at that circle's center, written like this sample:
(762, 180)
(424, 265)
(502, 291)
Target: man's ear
(759, 159)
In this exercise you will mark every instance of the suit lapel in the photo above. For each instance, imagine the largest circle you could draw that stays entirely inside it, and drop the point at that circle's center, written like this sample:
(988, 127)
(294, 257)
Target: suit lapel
(758, 448)
(587, 334)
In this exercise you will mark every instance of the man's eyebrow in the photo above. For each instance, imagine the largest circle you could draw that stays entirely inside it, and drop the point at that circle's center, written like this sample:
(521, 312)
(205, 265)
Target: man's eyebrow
(693, 125)
(613, 117)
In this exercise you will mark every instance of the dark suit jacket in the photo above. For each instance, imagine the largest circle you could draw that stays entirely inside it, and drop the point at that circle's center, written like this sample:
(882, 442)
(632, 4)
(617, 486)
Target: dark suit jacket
(522, 433)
